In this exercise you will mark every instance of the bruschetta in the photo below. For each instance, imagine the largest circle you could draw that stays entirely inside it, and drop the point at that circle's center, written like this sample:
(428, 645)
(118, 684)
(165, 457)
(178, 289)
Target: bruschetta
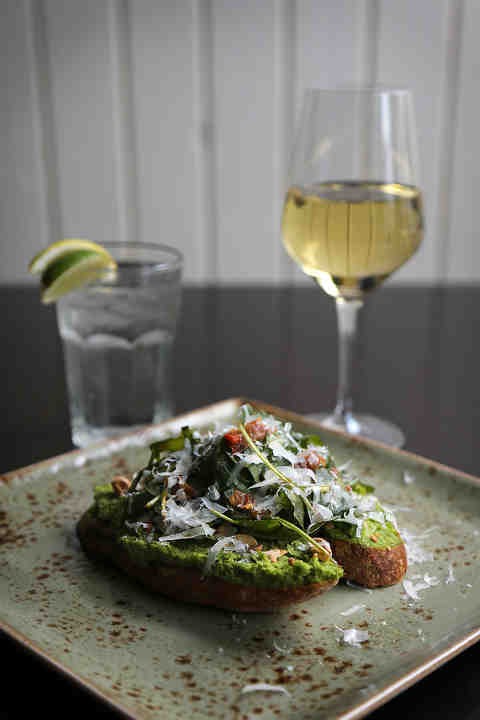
(254, 516)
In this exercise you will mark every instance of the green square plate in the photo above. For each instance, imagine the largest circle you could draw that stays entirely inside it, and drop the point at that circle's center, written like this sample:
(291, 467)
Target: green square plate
(150, 657)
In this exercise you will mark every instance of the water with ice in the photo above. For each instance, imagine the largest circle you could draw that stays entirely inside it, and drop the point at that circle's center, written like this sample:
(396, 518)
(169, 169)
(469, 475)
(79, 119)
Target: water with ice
(117, 344)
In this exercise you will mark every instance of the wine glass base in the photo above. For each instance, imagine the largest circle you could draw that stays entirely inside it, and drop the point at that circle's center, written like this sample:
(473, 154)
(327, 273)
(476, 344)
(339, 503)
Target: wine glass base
(367, 426)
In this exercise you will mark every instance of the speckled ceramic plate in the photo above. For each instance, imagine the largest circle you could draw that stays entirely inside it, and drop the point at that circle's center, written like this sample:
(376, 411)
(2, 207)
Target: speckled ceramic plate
(153, 658)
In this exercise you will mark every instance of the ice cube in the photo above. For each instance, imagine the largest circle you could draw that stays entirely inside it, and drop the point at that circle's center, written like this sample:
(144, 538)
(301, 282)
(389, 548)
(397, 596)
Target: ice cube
(102, 341)
(154, 338)
(70, 336)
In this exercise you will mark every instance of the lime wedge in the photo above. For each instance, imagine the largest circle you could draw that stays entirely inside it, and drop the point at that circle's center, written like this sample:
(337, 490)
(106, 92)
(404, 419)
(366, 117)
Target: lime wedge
(73, 270)
(63, 247)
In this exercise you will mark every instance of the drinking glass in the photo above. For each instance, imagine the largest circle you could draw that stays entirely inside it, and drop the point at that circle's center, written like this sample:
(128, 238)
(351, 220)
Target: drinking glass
(117, 336)
(353, 213)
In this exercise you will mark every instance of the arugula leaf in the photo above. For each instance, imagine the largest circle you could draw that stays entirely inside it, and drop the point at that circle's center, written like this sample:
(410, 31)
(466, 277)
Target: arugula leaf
(306, 440)
(296, 504)
(362, 488)
(169, 445)
(264, 527)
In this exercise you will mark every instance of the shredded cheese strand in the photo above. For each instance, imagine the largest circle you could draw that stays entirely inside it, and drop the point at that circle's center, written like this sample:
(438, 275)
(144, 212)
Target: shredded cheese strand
(271, 467)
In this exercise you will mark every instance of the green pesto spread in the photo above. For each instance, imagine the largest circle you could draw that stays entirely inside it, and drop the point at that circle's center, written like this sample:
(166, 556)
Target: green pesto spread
(373, 534)
(109, 508)
(256, 569)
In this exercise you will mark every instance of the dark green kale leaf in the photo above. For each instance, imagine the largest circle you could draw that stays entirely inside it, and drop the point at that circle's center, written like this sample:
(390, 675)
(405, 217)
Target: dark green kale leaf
(217, 465)
(212, 466)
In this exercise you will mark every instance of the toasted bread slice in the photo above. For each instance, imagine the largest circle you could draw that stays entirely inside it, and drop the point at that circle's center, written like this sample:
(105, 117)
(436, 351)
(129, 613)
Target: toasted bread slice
(190, 584)
(375, 558)
(369, 566)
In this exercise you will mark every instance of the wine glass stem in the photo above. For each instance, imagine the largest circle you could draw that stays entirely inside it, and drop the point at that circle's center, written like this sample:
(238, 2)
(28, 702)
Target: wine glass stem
(347, 316)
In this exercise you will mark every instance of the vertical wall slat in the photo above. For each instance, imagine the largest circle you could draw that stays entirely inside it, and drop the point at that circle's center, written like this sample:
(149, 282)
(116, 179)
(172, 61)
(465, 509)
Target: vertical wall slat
(26, 222)
(463, 250)
(327, 44)
(205, 237)
(174, 121)
(448, 121)
(162, 75)
(123, 121)
(327, 54)
(367, 20)
(81, 84)
(405, 60)
(43, 120)
(285, 94)
(243, 45)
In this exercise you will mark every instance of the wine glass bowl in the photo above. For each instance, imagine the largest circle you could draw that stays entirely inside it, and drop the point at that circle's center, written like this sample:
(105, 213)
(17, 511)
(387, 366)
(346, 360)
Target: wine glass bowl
(350, 236)
(353, 212)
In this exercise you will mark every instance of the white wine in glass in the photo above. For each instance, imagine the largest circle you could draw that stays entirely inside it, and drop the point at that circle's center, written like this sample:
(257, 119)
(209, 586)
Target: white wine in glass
(353, 213)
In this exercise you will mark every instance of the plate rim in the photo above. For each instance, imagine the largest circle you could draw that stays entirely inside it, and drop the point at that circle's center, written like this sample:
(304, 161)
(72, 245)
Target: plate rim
(376, 700)
(239, 400)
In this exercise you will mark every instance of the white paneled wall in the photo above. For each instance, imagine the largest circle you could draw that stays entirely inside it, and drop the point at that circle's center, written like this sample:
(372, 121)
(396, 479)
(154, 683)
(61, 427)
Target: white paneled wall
(172, 121)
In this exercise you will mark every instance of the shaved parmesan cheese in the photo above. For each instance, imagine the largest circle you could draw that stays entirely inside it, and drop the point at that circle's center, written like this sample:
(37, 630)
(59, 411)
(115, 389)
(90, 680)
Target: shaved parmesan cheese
(320, 515)
(450, 577)
(353, 609)
(269, 503)
(190, 514)
(185, 535)
(408, 479)
(250, 458)
(412, 589)
(415, 553)
(352, 518)
(264, 687)
(282, 452)
(280, 649)
(212, 505)
(270, 479)
(230, 543)
(353, 637)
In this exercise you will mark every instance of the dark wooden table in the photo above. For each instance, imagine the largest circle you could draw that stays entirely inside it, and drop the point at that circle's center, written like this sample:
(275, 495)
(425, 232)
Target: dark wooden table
(418, 365)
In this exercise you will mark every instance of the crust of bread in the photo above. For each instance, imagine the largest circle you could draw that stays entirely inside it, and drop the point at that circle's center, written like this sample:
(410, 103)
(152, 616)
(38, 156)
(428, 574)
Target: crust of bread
(188, 584)
(370, 567)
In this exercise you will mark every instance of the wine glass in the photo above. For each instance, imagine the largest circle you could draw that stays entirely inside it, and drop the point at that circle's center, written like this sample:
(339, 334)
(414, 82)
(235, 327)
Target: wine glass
(353, 213)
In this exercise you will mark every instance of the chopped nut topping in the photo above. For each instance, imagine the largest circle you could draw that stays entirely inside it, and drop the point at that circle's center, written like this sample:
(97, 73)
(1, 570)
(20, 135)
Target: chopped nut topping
(256, 429)
(241, 500)
(120, 484)
(311, 459)
(325, 546)
(374, 538)
(274, 554)
(247, 540)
